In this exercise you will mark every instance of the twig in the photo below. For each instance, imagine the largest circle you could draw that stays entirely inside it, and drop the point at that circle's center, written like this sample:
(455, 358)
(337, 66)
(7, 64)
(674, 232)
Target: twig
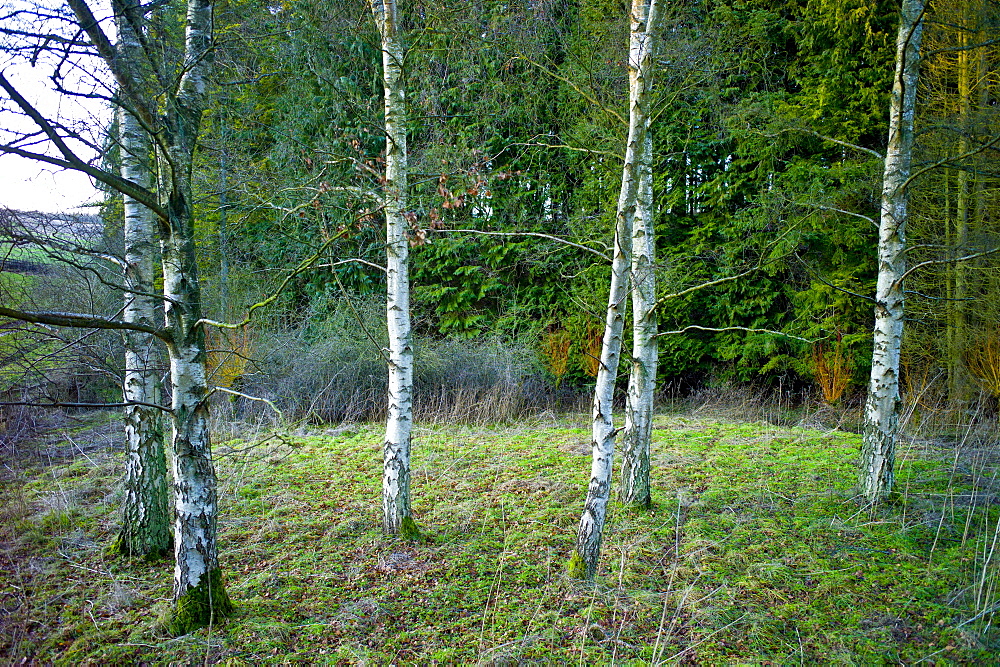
(274, 407)
(723, 329)
(534, 234)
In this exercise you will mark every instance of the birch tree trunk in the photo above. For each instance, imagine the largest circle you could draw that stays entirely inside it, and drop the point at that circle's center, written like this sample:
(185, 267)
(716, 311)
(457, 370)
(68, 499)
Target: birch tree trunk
(199, 594)
(642, 379)
(882, 409)
(396, 448)
(146, 518)
(583, 562)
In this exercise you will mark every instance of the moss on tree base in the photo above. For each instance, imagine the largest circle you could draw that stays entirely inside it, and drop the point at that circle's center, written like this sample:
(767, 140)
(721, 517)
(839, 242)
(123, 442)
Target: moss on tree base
(205, 604)
(575, 568)
(120, 547)
(408, 530)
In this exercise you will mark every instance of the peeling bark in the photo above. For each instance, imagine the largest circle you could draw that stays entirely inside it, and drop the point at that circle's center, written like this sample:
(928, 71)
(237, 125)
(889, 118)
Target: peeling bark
(396, 447)
(195, 502)
(883, 406)
(638, 431)
(645, 18)
(146, 518)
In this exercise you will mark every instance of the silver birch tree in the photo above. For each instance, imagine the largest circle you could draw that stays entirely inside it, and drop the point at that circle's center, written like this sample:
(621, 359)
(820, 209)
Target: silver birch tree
(882, 408)
(396, 447)
(638, 430)
(146, 521)
(583, 562)
(199, 594)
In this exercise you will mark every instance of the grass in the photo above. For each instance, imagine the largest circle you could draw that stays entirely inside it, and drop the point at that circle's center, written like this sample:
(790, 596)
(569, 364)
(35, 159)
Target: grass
(25, 253)
(754, 552)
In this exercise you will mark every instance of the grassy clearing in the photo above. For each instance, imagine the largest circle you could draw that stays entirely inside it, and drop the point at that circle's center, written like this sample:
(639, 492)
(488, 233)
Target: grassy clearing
(753, 552)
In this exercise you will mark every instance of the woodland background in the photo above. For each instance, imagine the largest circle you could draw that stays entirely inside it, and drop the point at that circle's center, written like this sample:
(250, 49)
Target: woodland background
(769, 124)
(516, 130)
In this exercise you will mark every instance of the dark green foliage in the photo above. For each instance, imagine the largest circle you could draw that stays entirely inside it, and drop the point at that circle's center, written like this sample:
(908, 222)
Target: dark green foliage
(515, 115)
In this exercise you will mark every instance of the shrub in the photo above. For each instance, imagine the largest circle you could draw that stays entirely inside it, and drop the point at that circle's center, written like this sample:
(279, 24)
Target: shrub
(332, 369)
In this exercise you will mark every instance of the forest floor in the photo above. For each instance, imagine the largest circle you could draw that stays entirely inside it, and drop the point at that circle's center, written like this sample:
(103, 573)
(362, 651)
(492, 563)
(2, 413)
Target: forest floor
(754, 552)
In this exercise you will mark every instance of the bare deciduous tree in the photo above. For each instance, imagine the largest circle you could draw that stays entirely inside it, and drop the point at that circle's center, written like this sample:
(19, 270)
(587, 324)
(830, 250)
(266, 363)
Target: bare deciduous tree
(174, 125)
(644, 24)
(883, 407)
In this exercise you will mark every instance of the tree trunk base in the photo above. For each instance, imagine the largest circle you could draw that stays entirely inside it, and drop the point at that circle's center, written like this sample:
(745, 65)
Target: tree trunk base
(205, 604)
(643, 503)
(409, 530)
(576, 568)
(124, 545)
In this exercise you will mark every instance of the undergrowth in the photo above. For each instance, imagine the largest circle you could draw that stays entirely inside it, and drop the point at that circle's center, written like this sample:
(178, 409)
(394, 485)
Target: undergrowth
(755, 551)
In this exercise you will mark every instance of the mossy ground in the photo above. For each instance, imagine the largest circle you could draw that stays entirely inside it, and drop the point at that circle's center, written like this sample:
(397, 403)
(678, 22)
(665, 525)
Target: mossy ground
(754, 551)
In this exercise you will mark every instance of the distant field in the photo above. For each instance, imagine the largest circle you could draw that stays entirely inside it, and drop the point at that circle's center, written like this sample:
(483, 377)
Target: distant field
(23, 253)
(755, 552)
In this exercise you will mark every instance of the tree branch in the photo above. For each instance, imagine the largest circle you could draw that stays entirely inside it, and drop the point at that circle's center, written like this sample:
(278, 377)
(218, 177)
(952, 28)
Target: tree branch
(946, 160)
(830, 139)
(70, 159)
(353, 260)
(303, 266)
(574, 86)
(281, 415)
(723, 329)
(534, 234)
(109, 54)
(932, 262)
(81, 321)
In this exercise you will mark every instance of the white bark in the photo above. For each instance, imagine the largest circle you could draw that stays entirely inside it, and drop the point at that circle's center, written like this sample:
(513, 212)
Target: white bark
(645, 17)
(396, 448)
(198, 589)
(642, 379)
(882, 409)
(145, 515)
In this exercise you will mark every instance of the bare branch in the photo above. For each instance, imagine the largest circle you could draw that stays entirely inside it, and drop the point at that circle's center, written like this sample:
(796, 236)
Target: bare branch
(841, 142)
(946, 160)
(534, 234)
(695, 327)
(81, 321)
(303, 266)
(820, 278)
(107, 51)
(353, 260)
(70, 159)
(572, 84)
(952, 260)
(589, 151)
(695, 288)
(281, 415)
(840, 210)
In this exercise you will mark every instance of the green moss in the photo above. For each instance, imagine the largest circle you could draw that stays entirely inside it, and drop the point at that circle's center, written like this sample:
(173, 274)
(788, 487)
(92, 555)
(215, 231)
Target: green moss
(575, 568)
(57, 521)
(120, 547)
(204, 604)
(408, 530)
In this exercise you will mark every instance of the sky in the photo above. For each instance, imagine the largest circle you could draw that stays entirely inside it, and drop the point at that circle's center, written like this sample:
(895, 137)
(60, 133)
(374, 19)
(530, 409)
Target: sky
(27, 185)
(30, 186)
